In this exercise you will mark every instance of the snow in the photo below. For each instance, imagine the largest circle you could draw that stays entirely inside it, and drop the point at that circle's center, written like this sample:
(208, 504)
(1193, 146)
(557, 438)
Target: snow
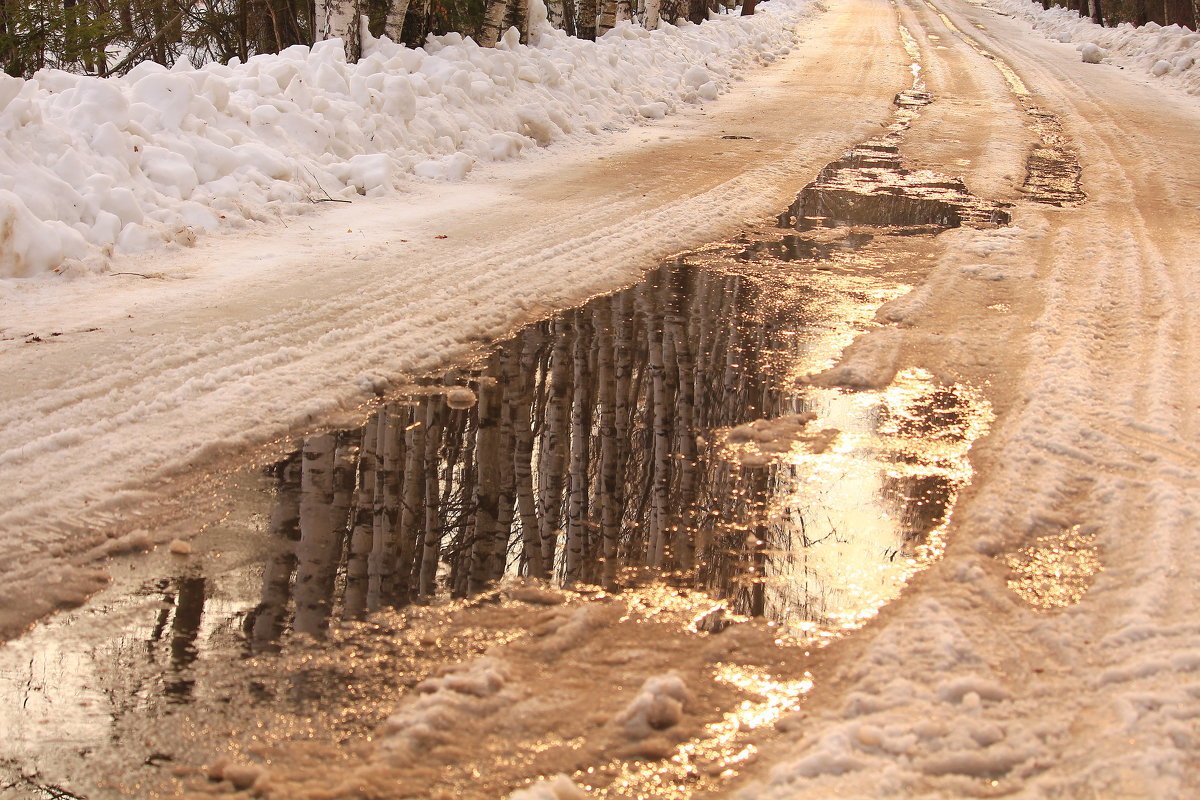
(93, 167)
(659, 704)
(1167, 52)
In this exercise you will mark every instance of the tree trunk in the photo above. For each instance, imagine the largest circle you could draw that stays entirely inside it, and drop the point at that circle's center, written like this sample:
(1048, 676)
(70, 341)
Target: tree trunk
(535, 565)
(386, 509)
(1179, 12)
(484, 545)
(320, 543)
(493, 22)
(339, 19)
(277, 578)
(608, 17)
(587, 19)
(431, 540)
(610, 508)
(412, 511)
(577, 506)
(555, 442)
(360, 536)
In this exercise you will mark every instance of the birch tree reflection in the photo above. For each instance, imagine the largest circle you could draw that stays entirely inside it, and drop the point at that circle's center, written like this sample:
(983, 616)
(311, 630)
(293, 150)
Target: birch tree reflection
(589, 456)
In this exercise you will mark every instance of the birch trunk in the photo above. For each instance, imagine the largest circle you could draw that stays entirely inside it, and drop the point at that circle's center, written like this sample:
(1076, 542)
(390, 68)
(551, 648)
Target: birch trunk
(432, 544)
(386, 509)
(493, 22)
(360, 536)
(610, 507)
(554, 444)
(509, 411)
(277, 578)
(319, 544)
(393, 24)
(685, 440)
(535, 565)
(652, 18)
(577, 529)
(661, 426)
(412, 511)
(487, 490)
(339, 19)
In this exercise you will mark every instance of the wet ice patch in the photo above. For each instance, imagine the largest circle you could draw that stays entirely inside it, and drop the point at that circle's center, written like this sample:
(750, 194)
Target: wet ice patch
(870, 362)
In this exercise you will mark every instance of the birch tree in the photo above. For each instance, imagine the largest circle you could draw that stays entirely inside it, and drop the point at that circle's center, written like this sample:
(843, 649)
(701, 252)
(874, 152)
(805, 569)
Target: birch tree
(362, 524)
(319, 543)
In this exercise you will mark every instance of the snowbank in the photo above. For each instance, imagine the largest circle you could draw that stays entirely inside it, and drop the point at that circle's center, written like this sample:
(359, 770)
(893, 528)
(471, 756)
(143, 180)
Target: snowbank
(1168, 53)
(90, 167)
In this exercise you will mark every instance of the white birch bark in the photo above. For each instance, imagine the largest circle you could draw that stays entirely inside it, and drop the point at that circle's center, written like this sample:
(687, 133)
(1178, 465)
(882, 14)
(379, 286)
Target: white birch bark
(360, 534)
(509, 411)
(318, 547)
(660, 466)
(577, 528)
(432, 544)
(277, 578)
(385, 510)
(393, 26)
(651, 17)
(412, 513)
(339, 19)
(554, 444)
(523, 459)
(484, 544)
(493, 22)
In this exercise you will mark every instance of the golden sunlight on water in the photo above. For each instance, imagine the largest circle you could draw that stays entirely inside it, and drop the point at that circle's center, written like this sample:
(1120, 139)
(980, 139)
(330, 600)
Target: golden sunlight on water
(882, 487)
(1057, 570)
(716, 755)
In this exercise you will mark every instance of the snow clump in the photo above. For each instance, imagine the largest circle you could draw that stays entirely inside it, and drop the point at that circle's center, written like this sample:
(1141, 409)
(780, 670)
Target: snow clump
(560, 787)
(659, 705)
(96, 167)
(1092, 53)
(444, 703)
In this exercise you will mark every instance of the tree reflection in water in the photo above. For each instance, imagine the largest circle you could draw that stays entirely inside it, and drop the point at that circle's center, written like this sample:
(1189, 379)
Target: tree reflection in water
(590, 451)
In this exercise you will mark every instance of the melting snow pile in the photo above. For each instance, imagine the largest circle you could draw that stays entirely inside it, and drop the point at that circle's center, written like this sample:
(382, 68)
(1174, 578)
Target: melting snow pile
(90, 167)
(442, 705)
(1170, 52)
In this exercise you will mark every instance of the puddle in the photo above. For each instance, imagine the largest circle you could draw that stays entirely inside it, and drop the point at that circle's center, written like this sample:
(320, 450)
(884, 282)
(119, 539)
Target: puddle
(1052, 172)
(604, 449)
(870, 186)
